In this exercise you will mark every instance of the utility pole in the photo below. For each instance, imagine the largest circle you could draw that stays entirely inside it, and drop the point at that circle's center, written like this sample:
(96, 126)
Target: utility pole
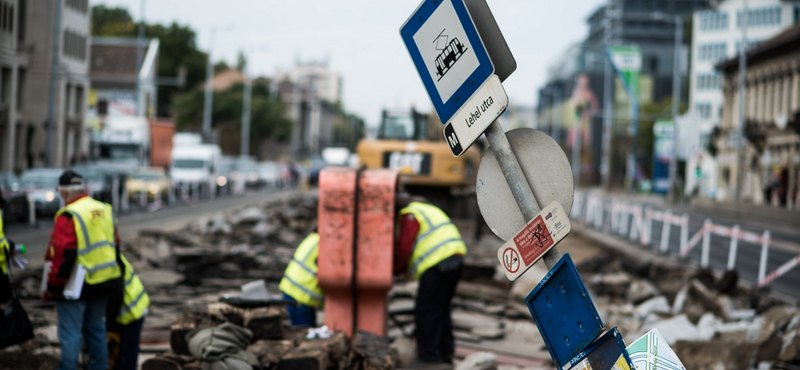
(140, 104)
(207, 101)
(247, 95)
(51, 106)
(740, 130)
(676, 98)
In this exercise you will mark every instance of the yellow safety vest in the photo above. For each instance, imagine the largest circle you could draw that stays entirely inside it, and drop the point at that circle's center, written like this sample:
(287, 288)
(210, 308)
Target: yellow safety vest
(135, 300)
(437, 239)
(94, 228)
(300, 279)
(3, 248)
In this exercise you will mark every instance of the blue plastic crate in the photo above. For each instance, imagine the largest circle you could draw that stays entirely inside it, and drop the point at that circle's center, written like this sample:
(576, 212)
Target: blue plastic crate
(564, 312)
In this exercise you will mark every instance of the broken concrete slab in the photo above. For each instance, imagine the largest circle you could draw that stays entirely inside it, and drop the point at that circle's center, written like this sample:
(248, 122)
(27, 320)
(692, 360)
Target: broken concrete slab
(641, 290)
(479, 361)
(658, 305)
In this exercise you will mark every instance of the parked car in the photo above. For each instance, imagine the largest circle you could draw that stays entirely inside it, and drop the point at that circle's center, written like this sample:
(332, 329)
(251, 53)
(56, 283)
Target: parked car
(41, 183)
(98, 181)
(16, 203)
(270, 174)
(245, 169)
(151, 180)
(312, 167)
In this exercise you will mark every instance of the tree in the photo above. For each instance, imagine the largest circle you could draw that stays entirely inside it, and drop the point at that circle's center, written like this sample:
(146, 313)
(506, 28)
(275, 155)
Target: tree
(267, 120)
(178, 49)
(241, 62)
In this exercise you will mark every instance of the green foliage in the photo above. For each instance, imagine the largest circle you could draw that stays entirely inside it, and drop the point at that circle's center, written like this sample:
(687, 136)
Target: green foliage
(178, 49)
(221, 66)
(111, 21)
(266, 117)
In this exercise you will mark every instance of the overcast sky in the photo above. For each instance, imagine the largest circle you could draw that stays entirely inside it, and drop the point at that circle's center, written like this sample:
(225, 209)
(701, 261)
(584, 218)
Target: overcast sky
(361, 40)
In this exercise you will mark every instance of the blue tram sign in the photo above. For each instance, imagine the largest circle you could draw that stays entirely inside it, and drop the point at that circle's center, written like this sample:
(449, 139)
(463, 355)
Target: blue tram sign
(448, 53)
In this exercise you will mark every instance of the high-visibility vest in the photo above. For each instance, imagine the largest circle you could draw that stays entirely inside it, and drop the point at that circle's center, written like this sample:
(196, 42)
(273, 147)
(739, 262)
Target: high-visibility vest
(3, 248)
(94, 228)
(437, 238)
(134, 300)
(300, 279)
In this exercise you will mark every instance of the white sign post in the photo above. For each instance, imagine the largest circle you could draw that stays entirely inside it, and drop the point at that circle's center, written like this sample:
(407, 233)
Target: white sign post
(456, 70)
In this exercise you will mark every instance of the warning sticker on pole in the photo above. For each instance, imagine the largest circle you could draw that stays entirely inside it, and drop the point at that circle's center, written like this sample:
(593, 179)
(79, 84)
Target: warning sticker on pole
(548, 228)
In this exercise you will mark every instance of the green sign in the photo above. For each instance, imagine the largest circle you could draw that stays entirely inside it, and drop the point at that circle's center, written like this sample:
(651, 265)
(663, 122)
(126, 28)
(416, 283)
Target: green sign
(627, 63)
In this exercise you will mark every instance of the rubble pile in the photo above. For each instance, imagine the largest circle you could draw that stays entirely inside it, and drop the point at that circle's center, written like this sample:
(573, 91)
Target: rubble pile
(710, 321)
(270, 343)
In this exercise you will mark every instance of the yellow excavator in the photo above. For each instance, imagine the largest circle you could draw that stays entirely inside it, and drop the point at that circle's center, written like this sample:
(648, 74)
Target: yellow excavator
(412, 143)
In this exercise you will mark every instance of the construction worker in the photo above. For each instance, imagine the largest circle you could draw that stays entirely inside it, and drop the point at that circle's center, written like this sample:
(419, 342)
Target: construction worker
(300, 284)
(125, 332)
(429, 247)
(84, 236)
(6, 251)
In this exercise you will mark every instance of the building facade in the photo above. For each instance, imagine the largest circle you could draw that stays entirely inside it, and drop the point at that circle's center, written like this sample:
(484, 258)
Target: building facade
(649, 25)
(117, 85)
(771, 152)
(30, 71)
(717, 35)
(311, 94)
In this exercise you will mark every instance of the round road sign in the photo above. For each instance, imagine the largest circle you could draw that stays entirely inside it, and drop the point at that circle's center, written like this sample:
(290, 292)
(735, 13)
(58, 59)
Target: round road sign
(545, 167)
(511, 260)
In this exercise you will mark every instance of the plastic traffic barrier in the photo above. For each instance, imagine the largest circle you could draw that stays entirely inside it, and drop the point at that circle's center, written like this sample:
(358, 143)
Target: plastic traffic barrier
(337, 200)
(374, 252)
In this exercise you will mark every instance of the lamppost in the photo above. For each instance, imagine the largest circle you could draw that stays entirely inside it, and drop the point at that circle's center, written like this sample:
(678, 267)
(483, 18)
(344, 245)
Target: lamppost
(208, 98)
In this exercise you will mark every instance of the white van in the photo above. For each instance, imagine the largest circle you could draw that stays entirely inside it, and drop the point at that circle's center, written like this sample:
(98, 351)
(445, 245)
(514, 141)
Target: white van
(195, 163)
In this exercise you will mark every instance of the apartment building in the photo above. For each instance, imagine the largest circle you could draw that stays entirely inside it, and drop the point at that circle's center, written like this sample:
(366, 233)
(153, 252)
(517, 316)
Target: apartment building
(44, 48)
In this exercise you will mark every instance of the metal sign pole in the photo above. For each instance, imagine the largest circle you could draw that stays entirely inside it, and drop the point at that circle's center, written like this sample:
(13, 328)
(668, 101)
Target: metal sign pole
(522, 192)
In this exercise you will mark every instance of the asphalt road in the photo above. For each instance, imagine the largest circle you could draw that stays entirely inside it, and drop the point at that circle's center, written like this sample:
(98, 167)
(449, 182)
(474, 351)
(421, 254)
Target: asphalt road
(785, 246)
(167, 218)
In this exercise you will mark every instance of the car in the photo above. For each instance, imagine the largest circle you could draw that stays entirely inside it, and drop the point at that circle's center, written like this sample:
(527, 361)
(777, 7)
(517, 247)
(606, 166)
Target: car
(271, 174)
(41, 184)
(98, 181)
(312, 167)
(150, 180)
(16, 202)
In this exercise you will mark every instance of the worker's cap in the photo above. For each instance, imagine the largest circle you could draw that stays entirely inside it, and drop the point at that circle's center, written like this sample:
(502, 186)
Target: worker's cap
(70, 179)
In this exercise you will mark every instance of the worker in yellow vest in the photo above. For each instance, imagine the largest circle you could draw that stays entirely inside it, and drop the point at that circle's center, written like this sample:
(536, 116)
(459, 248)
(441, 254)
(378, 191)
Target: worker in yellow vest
(84, 238)
(300, 284)
(429, 247)
(124, 331)
(6, 252)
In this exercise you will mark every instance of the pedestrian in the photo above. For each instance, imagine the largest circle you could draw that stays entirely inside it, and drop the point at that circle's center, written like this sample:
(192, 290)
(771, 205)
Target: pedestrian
(125, 320)
(429, 247)
(84, 237)
(6, 252)
(300, 284)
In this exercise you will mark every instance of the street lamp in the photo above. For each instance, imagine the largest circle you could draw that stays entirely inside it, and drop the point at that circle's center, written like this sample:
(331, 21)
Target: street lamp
(244, 148)
(207, 101)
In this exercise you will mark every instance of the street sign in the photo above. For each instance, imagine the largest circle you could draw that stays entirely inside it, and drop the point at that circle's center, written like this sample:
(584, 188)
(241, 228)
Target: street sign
(477, 114)
(541, 234)
(455, 67)
(564, 312)
(546, 169)
(606, 353)
(447, 52)
(651, 352)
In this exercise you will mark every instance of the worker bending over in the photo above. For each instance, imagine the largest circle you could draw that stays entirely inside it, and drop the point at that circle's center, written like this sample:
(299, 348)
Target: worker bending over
(300, 284)
(429, 247)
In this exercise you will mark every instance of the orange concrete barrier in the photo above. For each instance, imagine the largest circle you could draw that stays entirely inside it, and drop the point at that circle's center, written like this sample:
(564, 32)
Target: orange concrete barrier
(356, 300)
(337, 191)
(376, 190)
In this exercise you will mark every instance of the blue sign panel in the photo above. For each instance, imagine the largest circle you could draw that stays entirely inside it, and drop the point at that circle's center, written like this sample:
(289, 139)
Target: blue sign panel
(447, 52)
(564, 312)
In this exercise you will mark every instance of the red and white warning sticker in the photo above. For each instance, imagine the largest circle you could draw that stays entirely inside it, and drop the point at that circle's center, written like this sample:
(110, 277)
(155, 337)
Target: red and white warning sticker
(548, 228)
